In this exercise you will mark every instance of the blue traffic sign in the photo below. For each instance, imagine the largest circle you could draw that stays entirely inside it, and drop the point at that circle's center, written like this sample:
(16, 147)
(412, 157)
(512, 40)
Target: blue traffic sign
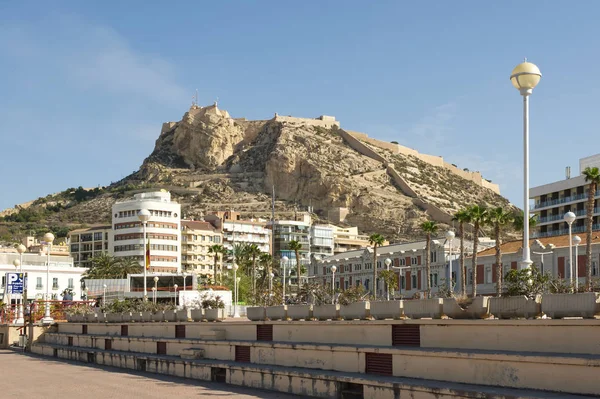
(14, 283)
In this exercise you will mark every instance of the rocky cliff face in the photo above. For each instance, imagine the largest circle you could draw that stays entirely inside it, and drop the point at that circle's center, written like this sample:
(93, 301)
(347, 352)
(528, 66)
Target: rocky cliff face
(218, 162)
(210, 161)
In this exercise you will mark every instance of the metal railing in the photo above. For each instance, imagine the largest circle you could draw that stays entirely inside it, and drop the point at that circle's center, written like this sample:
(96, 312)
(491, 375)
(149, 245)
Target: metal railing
(563, 200)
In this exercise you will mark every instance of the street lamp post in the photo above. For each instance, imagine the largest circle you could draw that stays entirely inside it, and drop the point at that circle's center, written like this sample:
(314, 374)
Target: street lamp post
(271, 275)
(20, 249)
(333, 269)
(524, 78)
(576, 241)
(235, 291)
(387, 262)
(175, 298)
(184, 280)
(542, 259)
(154, 295)
(48, 238)
(570, 218)
(104, 295)
(144, 216)
(155, 288)
(284, 260)
(450, 237)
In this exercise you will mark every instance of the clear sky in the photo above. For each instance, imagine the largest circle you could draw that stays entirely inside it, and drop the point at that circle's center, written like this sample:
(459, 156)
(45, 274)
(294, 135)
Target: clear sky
(85, 86)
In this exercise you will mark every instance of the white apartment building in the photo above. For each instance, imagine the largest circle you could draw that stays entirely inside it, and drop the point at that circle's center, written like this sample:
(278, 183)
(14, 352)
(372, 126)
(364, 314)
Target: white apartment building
(237, 231)
(84, 244)
(408, 261)
(163, 231)
(321, 241)
(553, 200)
(348, 239)
(196, 239)
(63, 274)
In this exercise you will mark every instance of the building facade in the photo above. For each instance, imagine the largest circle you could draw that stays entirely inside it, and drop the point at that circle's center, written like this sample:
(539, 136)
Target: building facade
(321, 241)
(407, 261)
(63, 275)
(348, 239)
(196, 239)
(85, 244)
(163, 231)
(549, 255)
(553, 200)
(237, 231)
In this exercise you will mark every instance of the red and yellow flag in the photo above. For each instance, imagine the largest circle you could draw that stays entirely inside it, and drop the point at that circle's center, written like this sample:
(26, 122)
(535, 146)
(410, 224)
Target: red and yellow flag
(147, 255)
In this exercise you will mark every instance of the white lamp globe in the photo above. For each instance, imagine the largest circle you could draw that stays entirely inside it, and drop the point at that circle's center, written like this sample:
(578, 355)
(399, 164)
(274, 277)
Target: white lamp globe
(49, 238)
(569, 217)
(450, 235)
(333, 269)
(525, 76)
(576, 240)
(387, 262)
(16, 263)
(21, 248)
(144, 215)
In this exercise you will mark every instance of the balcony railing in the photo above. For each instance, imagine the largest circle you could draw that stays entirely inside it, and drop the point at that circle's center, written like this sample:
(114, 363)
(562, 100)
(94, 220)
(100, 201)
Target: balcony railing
(563, 200)
(551, 218)
(574, 230)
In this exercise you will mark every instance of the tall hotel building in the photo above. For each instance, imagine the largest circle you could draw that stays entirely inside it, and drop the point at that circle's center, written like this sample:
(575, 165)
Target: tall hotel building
(163, 231)
(553, 200)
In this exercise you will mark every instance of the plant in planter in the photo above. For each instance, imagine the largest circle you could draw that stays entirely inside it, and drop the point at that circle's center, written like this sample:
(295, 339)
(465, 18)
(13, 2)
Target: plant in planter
(527, 282)
(78, 312)
(214, 307)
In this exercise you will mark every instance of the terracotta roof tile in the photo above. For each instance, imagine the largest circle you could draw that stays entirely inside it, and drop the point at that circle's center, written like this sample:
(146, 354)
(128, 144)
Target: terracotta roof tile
(198, 225)
(510, 247)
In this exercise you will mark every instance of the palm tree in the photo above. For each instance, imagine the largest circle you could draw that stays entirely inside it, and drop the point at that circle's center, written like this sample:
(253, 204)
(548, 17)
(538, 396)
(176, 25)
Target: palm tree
(216, 250)
(266, 260)
(498, 218)
(477, 216)
(592, 175)
(462, 217)
(103, 266)
(253, 251)
(429, 227)
(295, 246)
(376, 240)
(129, 265)
(517, 221)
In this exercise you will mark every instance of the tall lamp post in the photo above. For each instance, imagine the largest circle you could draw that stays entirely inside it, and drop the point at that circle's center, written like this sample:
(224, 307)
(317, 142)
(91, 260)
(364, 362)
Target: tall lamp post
(271, 275)
(155, 279)
(333, 270)
(144, 216)
(570, 218)
(184, 280)
(387, 262)
(524, 78)
(154, 295)
(21, 249)
(284, 260)
(450, 237)
(175, 298)
(104, 295)
(235, 291)
(49, 239)
(576, 241)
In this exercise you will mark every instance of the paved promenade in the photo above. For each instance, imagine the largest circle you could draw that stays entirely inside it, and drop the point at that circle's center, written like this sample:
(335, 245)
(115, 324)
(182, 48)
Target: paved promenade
(32, 377)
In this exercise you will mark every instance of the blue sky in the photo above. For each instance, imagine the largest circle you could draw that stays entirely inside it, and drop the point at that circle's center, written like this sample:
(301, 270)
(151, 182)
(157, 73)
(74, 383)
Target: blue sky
(85, 86)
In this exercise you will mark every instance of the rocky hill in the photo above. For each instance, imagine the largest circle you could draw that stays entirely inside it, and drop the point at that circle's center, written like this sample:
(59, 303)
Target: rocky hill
(210, 161)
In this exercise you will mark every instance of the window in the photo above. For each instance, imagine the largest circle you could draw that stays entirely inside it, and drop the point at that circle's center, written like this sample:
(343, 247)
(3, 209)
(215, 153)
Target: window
(433, 280)
(414, 281)
(402, 262)
(403, 282)
(433, 255)
(98, 236)
(38, 283)
(488, 275)
(594, 268)
(413, 260)
(3, 281)
(470, 276)
(54, 283)
(71, 285)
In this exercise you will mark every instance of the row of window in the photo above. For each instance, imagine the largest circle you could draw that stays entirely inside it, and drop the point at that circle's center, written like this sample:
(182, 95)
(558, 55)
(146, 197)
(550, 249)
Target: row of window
(138, 247)
(39, 283)
(153, 212)
(153, 236)
(216, 239)
(132, 225)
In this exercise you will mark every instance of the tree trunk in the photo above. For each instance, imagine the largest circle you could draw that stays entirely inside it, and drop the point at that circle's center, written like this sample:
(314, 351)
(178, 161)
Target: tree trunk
(499, 273)
(428, 265)
(588, 244)
(215, 271)
(254, 275)
(463, 269)
(474, 263)
(299, 268)
(374, 282)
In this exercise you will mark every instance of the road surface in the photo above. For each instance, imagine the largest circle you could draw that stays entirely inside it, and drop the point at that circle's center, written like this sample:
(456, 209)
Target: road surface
(34, 377)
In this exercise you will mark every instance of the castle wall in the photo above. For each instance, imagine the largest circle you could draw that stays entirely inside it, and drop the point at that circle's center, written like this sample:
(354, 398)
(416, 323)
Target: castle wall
(327, 122)
(360, 147)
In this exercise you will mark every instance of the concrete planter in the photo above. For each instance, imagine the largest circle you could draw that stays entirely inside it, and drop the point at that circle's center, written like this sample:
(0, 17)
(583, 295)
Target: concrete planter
(214, 314)
(170, 315)
(381, 310)
(513, 307)
(137, 317)
(158, 316)
(356, 311)
(276, 312)
(128, 317)
(326, 312)
(146, 316)
(424, 308)
(584, 305)
(478, 309)
(114, 317)
(183, 315)
(256, 313)
(300, 312)
(197, 314)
